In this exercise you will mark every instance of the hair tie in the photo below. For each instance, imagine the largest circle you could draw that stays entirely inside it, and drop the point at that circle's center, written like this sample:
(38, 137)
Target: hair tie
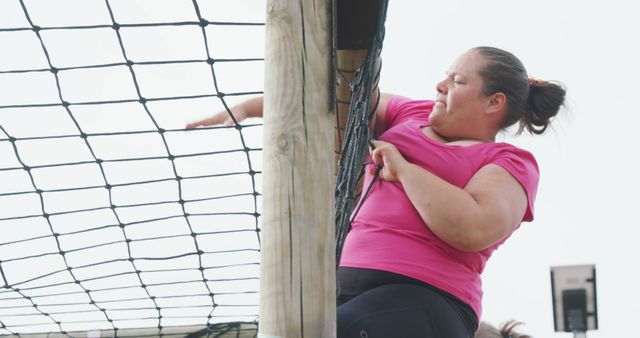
(533, 81)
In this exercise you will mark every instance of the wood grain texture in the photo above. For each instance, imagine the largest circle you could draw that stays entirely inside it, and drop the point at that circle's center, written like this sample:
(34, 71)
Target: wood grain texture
(298, 243)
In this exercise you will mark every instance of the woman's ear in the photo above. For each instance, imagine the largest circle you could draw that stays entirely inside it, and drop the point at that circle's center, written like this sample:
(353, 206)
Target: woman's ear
(497, 103)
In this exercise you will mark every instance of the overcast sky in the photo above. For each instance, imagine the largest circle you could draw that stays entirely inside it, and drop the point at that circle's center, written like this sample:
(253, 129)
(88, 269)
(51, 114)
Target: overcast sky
(587, 199)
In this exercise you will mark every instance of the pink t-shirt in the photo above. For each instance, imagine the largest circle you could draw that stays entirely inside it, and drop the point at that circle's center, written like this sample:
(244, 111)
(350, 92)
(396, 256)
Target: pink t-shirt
(388, 234)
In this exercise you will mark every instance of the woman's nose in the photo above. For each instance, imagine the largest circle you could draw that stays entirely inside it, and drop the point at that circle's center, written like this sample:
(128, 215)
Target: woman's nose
(441, 87)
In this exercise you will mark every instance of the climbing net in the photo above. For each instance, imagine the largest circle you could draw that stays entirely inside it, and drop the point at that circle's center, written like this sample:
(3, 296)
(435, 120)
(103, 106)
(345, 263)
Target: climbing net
(366, 34)
(114, 217)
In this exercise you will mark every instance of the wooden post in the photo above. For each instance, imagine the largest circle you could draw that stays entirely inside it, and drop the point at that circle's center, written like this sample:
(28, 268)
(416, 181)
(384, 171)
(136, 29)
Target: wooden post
(297, 285)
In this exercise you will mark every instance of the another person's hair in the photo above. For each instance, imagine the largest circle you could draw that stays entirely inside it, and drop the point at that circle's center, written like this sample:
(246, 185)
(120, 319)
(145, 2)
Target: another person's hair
(486, 330)
(531, 102)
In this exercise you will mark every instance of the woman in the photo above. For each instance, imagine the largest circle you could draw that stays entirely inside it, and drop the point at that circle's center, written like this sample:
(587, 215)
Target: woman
(447, 196)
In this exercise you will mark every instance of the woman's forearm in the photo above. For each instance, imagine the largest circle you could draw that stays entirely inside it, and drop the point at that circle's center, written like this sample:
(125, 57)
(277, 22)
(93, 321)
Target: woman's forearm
(449, 211)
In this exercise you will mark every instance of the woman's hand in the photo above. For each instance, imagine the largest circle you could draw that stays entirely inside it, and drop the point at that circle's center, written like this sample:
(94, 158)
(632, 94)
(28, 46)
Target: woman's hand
(387, 155)
(222, 117)
(249, 108)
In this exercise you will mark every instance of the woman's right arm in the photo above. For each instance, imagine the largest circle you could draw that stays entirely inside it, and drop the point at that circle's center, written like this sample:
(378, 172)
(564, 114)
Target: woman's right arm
(250, 108)
(381, 113)
(254, 107)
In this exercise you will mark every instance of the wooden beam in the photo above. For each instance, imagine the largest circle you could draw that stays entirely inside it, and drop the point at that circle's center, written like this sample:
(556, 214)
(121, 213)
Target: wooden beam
(297, 286)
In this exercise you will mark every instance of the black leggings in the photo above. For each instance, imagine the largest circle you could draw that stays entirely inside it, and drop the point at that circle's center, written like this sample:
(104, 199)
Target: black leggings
(409, 309)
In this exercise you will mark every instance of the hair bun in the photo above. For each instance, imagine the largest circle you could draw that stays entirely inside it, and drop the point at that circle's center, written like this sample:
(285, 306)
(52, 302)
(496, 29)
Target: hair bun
(544, 102)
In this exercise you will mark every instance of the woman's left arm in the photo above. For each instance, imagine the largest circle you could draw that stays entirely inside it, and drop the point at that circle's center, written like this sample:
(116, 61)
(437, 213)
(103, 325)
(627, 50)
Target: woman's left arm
(472, 218)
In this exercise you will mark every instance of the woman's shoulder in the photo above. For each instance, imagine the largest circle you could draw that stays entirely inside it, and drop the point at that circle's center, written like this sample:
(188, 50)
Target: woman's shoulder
(399, 102)
(504, 148)
(401, 108)
(507, 153)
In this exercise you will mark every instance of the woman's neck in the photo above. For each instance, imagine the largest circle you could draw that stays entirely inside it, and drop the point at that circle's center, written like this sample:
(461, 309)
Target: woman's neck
(488, 137)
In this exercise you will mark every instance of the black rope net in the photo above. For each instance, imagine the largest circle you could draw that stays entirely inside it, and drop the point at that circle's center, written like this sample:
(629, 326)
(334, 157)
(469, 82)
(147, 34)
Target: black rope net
(113, 217)
(365, 34)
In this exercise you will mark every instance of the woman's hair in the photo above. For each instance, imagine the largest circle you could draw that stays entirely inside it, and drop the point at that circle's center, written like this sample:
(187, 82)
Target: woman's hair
(486, 330)
(531, 102)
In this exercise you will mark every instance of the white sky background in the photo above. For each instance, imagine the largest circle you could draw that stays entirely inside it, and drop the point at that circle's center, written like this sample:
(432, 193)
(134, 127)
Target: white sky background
(586, 200)
(586, 211)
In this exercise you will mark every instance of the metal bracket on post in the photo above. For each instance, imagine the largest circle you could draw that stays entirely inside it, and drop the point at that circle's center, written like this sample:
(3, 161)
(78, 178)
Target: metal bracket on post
(579, 334)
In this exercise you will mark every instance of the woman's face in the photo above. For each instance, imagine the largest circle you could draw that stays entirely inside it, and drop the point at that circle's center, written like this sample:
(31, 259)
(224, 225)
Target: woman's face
(460, 100)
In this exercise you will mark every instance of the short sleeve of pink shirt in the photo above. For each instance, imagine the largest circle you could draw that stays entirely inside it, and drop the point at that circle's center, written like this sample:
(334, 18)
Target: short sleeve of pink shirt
(523, 167)
(389, 234)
